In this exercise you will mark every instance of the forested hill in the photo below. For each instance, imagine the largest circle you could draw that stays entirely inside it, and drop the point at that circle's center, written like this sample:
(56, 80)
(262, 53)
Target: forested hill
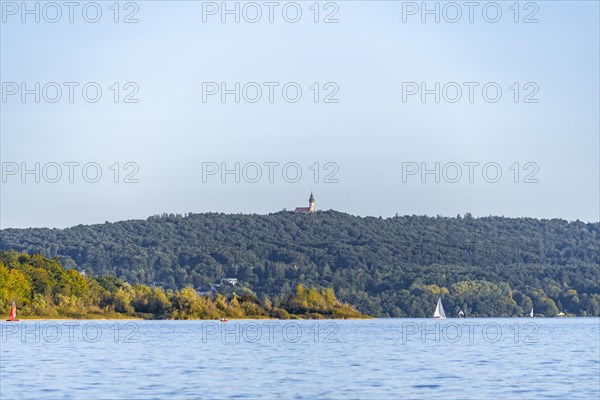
(491, 266)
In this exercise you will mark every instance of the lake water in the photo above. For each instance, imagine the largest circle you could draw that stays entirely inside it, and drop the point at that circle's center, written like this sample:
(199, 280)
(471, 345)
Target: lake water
(367, 359)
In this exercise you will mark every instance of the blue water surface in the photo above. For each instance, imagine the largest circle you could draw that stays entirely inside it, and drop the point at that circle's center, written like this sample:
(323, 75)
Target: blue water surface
(541, 358)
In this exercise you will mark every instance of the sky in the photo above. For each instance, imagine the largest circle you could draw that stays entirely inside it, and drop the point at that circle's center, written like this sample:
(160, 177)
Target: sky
(375, 107)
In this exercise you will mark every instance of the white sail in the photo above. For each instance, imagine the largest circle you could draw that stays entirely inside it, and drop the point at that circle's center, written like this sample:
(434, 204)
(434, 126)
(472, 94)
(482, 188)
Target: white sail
(531, 313)
(439, 310)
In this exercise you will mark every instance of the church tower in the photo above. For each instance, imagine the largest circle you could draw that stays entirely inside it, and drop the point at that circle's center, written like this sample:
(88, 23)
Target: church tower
(310, 208)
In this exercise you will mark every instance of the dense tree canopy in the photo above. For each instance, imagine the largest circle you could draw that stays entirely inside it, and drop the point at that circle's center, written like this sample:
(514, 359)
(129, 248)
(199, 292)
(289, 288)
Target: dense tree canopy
(399, 266)
(41, 287)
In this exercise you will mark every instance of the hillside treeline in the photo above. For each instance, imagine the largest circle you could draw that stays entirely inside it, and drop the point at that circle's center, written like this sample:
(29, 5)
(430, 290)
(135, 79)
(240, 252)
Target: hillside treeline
(398, 266)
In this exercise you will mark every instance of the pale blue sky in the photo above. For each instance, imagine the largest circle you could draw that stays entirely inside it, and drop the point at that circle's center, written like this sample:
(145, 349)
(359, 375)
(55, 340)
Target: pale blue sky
(369, 133)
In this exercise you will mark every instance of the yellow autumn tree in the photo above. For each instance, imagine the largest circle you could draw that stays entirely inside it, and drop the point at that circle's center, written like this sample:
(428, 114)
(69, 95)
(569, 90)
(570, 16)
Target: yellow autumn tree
(18, 288)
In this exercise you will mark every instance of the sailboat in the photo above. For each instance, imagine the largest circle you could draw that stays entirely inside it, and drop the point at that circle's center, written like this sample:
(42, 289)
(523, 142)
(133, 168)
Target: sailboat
(531, 313)
(439, 310)
(12, 315)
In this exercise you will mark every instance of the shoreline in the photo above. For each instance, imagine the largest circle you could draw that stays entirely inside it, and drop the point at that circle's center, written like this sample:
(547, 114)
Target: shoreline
(40, 319)
(130, 318)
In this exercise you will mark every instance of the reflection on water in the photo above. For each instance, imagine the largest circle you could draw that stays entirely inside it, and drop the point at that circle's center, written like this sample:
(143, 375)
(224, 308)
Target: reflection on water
(393, 358)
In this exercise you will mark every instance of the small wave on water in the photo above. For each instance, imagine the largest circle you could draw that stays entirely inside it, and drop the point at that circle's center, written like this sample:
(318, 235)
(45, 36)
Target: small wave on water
(426, 386)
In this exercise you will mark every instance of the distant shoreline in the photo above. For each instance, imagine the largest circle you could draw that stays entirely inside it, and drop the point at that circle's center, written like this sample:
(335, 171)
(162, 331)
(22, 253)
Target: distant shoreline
(40, 319)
